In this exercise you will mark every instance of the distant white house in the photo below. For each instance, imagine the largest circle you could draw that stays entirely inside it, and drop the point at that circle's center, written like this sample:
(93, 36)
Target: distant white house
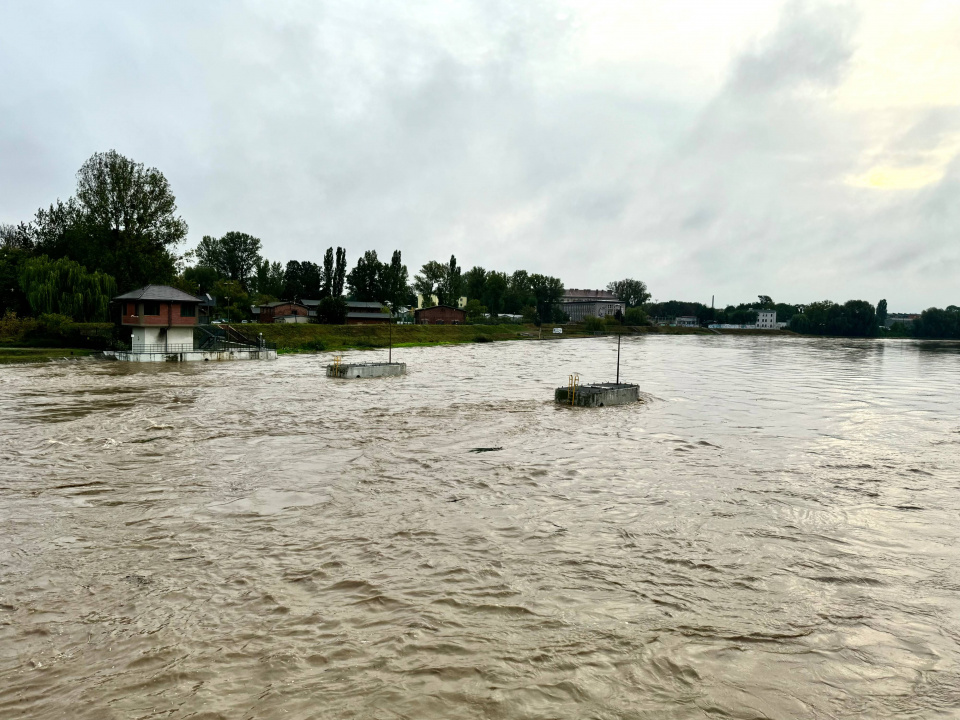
(767, 320)
(687, 321)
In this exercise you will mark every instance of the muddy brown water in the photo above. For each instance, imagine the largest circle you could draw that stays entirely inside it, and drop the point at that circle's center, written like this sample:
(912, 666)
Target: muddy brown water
(773, 533)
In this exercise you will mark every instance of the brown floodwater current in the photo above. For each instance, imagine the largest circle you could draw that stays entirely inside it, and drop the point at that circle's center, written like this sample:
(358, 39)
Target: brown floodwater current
(773, 533)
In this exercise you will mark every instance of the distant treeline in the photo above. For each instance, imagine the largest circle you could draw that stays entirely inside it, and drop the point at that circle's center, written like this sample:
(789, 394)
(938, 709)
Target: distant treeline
(742, 314)
(121, 230)
(854, 318)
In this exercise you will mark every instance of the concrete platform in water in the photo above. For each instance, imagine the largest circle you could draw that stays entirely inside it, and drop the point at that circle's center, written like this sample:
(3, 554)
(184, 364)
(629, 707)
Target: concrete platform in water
(365, 370)
(598, 395)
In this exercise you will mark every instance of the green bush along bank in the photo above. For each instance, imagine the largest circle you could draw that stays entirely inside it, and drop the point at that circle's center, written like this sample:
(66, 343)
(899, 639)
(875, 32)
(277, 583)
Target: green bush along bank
(54, 331)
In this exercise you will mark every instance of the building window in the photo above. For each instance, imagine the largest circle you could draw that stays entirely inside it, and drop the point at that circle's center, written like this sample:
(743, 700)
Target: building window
(151, 308)
(188, 310)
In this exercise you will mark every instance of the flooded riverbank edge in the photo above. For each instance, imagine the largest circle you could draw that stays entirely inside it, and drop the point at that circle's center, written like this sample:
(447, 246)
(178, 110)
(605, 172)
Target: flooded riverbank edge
(312, 338)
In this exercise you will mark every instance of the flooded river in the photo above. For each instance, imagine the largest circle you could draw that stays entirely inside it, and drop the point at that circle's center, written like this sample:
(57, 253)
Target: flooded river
(773, 533)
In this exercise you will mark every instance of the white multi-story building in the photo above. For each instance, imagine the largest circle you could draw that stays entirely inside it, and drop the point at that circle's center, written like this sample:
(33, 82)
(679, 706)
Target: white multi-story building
(767, 320)
(581, 304)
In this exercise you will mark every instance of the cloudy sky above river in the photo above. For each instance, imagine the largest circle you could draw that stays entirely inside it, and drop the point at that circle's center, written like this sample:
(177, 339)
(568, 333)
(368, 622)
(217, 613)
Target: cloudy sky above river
(804, 150)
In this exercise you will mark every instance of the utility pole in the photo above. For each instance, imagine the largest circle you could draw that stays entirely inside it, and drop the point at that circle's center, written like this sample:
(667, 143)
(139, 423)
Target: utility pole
(618, 358)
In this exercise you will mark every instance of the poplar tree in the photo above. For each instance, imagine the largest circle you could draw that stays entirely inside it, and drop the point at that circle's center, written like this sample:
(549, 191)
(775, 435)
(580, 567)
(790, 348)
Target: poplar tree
(339, 273)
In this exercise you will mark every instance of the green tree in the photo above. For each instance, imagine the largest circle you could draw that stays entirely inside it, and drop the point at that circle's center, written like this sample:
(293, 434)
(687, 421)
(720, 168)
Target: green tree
(327, 288)
(935, 323)
(235, 256)
(518, 295)
(396, 279)
(269, 281)
(474, 309)
(429, 281)
(855, 318)
(451, 288)
(785, 312)
(635, 316)
(475, 281)
(332, 311)
(293, 281)
(65, 287)
(632, 292)
(547, 292)
(12, 297)
(128, 216)
(366, 280)
(882, 313)
(311, 275)
(122, 222)
(339, 273)
(494, 291)
(15, 237)
(233, 300)
(198, 279)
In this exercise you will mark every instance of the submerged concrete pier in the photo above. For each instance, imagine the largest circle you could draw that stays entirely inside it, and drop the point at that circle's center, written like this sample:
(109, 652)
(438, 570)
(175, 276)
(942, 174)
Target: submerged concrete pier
(365, 370)
(598, 394)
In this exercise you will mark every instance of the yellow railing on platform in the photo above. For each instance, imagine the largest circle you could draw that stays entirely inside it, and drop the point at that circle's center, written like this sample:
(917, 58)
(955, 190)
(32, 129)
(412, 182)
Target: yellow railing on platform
(574, 381)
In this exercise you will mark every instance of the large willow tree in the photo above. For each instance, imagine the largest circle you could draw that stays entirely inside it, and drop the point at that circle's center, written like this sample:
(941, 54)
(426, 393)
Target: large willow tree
(65, 287)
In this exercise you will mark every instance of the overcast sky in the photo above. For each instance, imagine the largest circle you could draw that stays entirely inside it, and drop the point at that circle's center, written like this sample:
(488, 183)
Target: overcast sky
(803, 150)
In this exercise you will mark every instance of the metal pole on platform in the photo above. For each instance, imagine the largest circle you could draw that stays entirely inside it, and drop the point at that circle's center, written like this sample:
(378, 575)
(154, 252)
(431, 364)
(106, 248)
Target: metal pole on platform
(618, 358)
(390, 355)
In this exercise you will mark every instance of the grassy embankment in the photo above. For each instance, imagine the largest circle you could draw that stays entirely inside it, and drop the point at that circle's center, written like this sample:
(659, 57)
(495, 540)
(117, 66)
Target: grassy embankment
(50, 337)
(309, 337)
(32, 355)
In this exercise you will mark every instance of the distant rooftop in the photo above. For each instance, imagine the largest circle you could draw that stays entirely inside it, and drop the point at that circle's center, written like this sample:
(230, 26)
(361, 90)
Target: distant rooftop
(278, 303)
(578, 294)
(163, 293)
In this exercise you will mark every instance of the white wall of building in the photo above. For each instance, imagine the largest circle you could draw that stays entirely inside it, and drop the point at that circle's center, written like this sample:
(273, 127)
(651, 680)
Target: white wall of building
(180, 336)
(767, 320)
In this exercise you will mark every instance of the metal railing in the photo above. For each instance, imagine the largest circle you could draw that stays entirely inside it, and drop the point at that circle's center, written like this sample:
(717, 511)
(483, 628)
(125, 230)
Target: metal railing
(164, 348)
(217, 338)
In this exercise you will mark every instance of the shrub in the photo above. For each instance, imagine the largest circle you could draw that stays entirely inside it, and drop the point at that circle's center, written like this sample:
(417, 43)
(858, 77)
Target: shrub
(482, 339)
(635, 316)
(593, 324)
(13, 329)
(332, 311)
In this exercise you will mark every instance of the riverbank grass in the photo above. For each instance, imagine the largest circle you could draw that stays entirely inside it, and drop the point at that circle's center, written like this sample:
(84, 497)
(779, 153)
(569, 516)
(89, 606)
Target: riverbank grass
(310, 337)
(9, 355)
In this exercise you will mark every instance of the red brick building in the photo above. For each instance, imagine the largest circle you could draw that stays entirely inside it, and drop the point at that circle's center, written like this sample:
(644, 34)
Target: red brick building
(440, 315)
(283, 311)
(159, 317)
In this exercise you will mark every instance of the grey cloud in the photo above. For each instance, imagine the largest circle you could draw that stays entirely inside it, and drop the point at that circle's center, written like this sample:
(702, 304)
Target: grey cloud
(811, 48)
(457, 128)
